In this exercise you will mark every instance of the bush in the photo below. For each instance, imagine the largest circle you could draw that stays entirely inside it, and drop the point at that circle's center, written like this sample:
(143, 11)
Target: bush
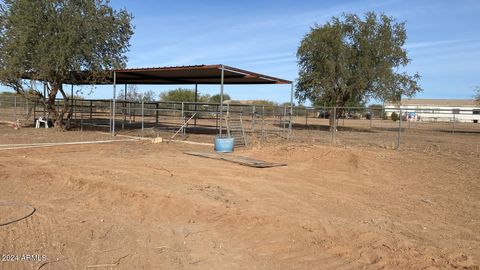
(394, 117)
(183, 95)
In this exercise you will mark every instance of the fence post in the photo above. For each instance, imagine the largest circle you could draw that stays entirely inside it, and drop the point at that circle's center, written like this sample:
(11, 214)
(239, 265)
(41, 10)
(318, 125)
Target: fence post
(91, 110)
(284, 119)
(306, 117)
(453, 124)
(123, 114)
(253, 119)
(156, 113)
(216, 116)
(110, 107)
(27, 105)
(290, 122)
(74, 101)
(183, 119)
(399, 129)
(370, 123)
(263, 121)
(143, 113)
(81, 116)
(15, 108)
(334, 123)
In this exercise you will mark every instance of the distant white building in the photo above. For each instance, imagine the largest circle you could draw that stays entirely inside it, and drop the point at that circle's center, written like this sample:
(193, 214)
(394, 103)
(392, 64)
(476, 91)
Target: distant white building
(441, 110)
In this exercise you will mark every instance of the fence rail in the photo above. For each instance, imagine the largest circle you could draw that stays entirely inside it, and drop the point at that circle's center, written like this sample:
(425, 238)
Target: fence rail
(365, 125)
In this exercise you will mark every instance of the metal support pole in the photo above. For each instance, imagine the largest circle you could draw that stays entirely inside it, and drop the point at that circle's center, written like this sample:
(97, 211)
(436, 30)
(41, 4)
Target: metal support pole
(183, 119)
(157, 108)
(110, 111)
(113, 102)
(216, 116)
(453, 124)
(45, 99)
(134, 103)
(221, 100)
(253, 118)
(75, 106)
(81, 116)
(72, 101)
(143, 113)
(399, 129)
(263, 120)
(291, 113)
(370, 122)
(91, 111)
(334, 129)
(124, 106)
(306, 117)
(196, 100)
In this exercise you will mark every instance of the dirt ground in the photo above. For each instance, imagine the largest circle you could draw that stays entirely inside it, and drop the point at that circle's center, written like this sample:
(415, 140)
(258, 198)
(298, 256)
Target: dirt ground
(138, 205)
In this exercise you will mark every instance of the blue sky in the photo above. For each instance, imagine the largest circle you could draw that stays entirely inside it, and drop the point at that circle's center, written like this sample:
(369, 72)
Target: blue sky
(263, 36)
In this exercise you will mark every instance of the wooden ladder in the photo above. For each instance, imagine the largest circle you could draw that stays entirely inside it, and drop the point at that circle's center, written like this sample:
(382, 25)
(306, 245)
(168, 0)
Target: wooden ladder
(235, 129)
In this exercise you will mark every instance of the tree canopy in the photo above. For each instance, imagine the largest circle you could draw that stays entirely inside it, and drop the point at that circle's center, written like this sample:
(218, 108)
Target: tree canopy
(350, 60)
(216, 98)
(50, 39)
(263, 102)
(188, 95)
(183, 95)
(133, 94)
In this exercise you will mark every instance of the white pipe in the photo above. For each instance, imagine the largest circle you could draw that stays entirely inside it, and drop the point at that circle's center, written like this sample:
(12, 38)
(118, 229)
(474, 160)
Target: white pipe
(26, 146)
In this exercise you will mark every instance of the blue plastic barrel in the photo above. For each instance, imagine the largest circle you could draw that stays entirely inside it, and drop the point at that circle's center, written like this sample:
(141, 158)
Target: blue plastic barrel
(224, 144)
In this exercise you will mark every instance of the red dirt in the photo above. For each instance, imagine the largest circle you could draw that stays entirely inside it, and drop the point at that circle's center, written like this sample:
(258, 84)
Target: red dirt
(137, 205)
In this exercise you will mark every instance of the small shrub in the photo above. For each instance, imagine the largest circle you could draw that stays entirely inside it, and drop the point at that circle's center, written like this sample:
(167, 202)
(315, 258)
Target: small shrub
(394, 117)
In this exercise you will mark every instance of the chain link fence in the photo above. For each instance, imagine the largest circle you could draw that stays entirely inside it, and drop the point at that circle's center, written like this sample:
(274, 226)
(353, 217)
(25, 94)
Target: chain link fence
(427, 129)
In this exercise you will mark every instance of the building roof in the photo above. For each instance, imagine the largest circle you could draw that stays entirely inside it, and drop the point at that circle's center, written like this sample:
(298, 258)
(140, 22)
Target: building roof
(439, 102)
(198, 74)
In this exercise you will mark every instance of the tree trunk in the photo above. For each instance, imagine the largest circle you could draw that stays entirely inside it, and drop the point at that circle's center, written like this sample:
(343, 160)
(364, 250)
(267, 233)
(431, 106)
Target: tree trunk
(334, 115)
(64, 125)
(331, 119)
(54, 114)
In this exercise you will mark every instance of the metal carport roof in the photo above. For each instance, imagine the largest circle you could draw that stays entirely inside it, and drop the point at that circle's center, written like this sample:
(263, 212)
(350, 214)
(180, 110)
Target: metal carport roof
(177, 75)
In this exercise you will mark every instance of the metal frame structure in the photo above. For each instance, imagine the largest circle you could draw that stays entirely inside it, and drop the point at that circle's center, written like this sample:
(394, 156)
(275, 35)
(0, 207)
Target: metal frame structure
(200, 74)
(175, 75)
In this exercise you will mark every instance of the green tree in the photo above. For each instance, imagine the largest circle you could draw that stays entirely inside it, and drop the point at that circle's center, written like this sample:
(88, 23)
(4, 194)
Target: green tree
(349, 60)
(394, 116)
(287, 103)
(51, 40)
(262, 102)
(216, 98)
(183, 95)
(133, 94)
